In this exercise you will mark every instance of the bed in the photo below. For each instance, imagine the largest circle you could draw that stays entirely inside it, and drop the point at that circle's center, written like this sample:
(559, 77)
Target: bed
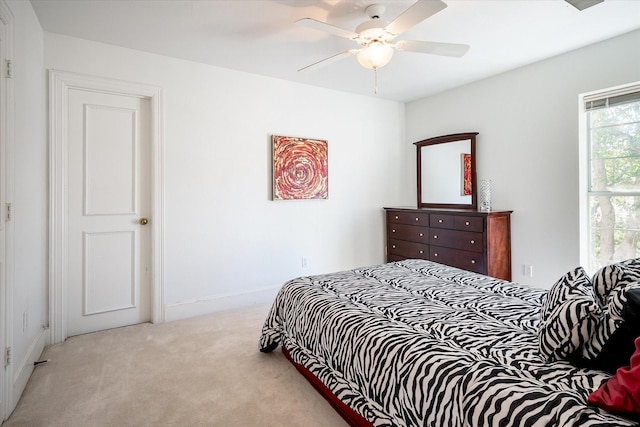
(416, 343)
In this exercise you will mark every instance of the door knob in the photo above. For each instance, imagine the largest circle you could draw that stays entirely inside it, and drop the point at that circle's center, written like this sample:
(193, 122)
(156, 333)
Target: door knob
(144, 221)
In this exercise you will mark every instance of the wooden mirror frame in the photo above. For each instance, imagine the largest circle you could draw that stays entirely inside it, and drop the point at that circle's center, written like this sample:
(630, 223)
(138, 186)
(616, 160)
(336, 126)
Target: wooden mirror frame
(471, 136)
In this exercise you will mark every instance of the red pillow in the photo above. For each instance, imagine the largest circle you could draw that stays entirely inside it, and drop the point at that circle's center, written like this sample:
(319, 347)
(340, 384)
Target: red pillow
(621, 393)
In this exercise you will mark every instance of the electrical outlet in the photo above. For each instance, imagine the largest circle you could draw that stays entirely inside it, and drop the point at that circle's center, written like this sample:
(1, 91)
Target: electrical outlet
(527, 270)
(304, 262)
(25, 321)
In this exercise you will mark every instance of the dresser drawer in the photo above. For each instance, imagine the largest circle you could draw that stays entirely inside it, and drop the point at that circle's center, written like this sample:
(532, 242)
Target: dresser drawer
(408, 249)
(472, 261)
(457, 222)
(469, 223)
(394, 258)
(410, 218)
(408, 232)
(464, 240)
(441, 221)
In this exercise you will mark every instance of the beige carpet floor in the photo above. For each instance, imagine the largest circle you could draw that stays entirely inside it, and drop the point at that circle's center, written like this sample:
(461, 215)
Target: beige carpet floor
(204, 371)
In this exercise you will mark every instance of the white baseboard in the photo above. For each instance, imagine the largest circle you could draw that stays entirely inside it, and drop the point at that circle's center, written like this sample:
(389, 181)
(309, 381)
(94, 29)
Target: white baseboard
(214, 303)
(24, 370)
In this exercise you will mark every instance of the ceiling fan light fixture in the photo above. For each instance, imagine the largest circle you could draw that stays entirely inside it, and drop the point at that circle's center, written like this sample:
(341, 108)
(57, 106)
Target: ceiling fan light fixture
(376, 38)
(375, 55)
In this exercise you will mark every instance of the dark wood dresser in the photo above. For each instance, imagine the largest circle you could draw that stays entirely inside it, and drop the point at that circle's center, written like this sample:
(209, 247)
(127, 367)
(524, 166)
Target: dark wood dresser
(468, 239)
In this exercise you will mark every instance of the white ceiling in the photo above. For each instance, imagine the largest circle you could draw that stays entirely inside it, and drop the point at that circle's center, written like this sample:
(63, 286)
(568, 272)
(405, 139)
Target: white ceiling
(260, 37)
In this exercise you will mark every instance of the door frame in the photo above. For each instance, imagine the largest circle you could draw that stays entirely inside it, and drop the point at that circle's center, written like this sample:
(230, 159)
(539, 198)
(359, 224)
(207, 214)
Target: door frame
(60, 83)
(6, 196)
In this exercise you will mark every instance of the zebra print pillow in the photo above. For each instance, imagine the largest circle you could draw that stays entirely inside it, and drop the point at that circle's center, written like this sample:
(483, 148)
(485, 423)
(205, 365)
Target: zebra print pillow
(605, 280)
(611, 317)
(567, 317)
(617, 350)
(613, 277)
(617, 324)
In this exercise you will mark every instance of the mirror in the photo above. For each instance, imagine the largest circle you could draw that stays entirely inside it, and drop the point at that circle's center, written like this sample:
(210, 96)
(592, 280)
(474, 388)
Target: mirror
(447, 171)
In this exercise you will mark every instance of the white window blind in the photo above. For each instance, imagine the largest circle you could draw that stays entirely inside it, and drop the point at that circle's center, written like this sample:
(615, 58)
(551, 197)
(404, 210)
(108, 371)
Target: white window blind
(611, 100)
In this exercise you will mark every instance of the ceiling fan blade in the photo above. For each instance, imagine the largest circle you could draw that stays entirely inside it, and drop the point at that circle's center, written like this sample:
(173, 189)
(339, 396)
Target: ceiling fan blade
(327, 28)
(418, 12)
(329, 60)
(434, 48)
(583, 4)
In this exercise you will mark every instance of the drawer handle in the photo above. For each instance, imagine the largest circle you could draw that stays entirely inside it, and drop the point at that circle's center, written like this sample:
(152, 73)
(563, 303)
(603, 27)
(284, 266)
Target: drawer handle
(466, 223)
(421, 252)
(436, 254)
(439, 221)
(393, 231)
(396, 216)
(417, 219)
(435, 236)
(473, 241)
(473, 261)
(421, 234)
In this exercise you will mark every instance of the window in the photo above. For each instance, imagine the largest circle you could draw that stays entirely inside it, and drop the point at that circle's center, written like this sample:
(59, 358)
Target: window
(610, 173)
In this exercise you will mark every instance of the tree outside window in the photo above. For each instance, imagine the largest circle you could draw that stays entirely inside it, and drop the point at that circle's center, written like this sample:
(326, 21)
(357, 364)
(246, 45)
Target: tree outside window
(614, 179)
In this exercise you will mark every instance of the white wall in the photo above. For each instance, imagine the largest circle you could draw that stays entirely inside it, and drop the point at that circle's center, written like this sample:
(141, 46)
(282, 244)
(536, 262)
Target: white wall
(528, 144)
(226, 243)
(30, 201)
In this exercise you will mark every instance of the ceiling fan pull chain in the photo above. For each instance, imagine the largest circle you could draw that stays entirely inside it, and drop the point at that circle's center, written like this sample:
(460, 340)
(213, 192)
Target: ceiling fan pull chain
(375, 80)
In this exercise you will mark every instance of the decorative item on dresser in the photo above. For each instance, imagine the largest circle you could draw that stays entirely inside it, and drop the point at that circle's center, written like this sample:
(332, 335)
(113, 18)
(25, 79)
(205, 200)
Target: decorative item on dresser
(468, 239)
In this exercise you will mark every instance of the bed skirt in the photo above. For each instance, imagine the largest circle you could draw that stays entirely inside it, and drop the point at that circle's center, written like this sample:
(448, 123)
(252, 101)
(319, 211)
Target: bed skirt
(349, 415)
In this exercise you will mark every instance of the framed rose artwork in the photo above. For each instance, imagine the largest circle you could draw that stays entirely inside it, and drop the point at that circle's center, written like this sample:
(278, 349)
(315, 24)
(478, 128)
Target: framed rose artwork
(300, 168)
(466, 174)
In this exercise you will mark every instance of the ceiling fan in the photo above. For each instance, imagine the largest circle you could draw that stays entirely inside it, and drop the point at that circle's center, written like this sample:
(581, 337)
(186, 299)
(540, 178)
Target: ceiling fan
(376, 37)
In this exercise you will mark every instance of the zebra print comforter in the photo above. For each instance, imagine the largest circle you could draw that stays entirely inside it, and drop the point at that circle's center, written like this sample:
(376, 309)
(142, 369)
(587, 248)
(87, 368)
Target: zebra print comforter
(415, 343)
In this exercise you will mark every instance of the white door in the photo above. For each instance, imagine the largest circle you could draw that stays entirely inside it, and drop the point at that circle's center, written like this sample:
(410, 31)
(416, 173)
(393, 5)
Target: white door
(109, 204)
